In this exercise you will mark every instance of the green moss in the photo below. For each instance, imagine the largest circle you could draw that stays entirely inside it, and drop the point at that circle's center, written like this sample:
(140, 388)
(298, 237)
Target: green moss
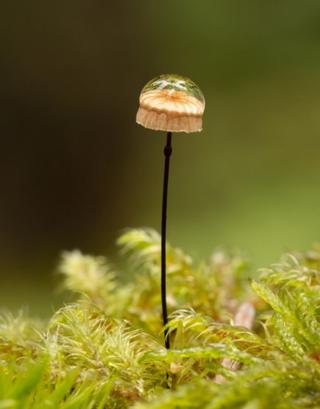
(105, 350)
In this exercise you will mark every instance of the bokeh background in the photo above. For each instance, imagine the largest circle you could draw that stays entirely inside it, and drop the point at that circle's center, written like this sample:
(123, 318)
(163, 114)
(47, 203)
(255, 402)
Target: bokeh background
(75, 169)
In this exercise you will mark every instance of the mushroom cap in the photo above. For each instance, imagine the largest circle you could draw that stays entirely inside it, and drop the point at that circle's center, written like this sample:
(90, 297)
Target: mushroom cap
(171, 103)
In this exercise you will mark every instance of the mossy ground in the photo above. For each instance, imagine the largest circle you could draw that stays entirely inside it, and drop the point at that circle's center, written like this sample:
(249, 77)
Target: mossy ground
(235, 342)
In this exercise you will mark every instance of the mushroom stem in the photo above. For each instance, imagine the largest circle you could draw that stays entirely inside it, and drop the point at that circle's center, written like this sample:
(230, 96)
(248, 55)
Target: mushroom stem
(167, 153)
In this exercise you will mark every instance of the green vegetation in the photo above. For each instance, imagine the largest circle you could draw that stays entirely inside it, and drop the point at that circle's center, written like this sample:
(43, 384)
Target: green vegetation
(105, 350)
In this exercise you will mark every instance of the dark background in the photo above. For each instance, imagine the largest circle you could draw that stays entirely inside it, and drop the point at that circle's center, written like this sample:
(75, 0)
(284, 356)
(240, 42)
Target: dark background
(75, 169)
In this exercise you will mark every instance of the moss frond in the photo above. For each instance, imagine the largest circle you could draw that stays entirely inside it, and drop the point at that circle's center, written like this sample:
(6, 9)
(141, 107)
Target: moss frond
(144, 247)
(293, 294)
(87, 275)
(20, 336)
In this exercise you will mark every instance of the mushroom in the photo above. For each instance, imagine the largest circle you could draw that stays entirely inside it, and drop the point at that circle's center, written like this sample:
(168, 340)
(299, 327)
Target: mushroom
(169, 103)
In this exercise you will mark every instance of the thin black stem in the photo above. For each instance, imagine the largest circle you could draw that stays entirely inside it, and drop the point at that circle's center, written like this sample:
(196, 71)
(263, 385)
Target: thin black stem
(167, 153)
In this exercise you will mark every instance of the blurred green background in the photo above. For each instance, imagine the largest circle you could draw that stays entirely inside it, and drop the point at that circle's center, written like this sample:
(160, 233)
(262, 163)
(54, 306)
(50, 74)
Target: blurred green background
(75, 169)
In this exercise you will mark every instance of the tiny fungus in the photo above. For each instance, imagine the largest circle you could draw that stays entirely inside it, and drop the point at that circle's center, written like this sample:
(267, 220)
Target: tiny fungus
(169, 103)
